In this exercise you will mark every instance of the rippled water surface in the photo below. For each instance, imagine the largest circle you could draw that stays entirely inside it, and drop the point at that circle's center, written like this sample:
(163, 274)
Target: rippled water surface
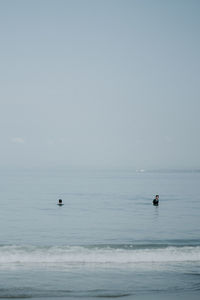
(106, 241)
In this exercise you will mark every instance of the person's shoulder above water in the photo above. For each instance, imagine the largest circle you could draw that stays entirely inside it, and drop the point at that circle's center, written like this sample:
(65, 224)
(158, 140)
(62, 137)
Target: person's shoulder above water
(156, 200)
(60, 202)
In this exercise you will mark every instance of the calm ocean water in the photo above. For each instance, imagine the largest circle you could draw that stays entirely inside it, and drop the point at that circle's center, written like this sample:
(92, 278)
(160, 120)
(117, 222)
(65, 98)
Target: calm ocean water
(106, 241)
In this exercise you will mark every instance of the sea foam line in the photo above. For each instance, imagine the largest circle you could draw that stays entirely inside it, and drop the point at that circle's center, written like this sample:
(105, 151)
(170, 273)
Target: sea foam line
(79, 254)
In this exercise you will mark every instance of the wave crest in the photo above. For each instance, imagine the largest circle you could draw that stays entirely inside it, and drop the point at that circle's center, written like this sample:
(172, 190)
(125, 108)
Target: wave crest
(97, 255)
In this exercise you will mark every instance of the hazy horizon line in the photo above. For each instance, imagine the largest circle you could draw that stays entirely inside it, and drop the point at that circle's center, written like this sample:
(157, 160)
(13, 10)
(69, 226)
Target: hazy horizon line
(105, 168)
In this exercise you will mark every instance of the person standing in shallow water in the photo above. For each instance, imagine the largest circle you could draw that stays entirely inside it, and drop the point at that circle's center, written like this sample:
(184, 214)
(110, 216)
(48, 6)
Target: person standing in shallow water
(60, 202)
(156, 200)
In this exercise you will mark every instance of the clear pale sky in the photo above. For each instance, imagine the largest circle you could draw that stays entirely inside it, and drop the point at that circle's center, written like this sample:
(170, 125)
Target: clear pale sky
(100, 83)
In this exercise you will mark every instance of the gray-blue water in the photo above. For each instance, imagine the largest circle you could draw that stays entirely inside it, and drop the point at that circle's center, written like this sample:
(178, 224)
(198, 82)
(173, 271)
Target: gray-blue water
(108, 240)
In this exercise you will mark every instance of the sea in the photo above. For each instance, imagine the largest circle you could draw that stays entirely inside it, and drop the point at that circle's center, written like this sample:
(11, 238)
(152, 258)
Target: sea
(106, 241)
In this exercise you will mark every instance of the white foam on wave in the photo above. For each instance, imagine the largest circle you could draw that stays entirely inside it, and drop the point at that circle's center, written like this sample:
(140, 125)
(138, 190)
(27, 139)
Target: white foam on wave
(84, 255)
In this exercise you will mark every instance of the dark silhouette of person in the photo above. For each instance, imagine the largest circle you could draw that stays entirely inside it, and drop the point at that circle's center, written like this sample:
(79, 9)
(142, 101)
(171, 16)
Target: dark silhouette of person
(156, 200)
(60, 202)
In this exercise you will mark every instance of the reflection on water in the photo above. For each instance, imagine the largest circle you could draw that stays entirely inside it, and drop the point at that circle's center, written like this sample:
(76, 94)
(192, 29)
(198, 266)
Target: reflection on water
(156, 212)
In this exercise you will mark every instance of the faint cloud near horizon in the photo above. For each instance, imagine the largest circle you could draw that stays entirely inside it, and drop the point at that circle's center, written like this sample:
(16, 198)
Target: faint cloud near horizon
(17, 140)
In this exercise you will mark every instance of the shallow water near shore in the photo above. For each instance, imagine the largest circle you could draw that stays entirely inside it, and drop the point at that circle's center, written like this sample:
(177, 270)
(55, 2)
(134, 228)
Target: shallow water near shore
(107, 241)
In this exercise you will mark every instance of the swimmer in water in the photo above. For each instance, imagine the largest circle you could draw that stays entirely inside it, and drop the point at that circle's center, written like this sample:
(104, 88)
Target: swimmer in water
(60, 202)
(156, 200)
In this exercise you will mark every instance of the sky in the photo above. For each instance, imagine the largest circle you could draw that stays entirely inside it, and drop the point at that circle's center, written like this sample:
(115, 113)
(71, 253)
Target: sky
(100, 83)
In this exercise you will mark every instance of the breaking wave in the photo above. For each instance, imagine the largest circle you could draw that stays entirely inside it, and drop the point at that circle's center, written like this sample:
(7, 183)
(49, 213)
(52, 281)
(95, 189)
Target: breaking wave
(111, 254)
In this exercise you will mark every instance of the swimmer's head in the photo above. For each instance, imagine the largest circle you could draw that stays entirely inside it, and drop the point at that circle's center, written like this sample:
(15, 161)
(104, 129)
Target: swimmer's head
(60, 201)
